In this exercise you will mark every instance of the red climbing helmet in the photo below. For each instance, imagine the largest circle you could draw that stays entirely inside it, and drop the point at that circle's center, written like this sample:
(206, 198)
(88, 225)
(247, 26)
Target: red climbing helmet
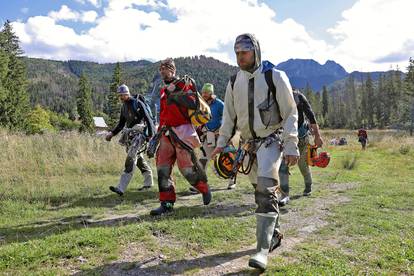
(322, 160)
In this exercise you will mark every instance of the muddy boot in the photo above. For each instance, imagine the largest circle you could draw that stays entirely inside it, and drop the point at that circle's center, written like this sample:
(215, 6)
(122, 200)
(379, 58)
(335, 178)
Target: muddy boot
(165, 207)
(265, 226)
(148, 182)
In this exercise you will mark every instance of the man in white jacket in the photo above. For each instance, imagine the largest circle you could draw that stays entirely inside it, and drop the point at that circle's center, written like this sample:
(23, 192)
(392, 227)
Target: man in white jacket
(259, 111)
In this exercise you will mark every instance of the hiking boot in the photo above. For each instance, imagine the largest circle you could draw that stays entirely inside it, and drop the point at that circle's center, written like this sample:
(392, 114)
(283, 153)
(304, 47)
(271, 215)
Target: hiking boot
(232, 184)
(283, 201)
(116, 190)
(165, 207)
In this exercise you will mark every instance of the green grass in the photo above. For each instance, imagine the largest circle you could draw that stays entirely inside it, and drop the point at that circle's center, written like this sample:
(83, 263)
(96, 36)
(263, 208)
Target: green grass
(55, 190)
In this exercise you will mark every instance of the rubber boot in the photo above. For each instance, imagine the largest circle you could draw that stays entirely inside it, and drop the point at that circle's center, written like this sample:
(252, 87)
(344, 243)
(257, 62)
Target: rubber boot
(165, 207)
(265, 226)
(148, 181)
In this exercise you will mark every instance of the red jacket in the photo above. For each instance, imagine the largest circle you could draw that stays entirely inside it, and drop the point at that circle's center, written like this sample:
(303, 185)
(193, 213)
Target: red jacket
(172, 114)
(363, 133)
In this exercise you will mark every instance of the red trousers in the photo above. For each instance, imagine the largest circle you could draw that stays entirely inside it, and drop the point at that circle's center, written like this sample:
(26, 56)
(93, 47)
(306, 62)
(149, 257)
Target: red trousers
(168, 153)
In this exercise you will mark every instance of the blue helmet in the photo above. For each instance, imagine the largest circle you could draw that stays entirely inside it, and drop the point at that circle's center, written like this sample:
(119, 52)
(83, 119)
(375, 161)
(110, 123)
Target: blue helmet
(123, 90)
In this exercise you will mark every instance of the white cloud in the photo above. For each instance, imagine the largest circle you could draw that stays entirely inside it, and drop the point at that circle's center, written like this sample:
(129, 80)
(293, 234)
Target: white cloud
(89, 16)
(374, 34)
(127, 32)
(65, 13)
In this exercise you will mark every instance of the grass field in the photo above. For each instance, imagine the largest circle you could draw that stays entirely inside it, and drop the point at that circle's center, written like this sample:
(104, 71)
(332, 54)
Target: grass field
(58, 217)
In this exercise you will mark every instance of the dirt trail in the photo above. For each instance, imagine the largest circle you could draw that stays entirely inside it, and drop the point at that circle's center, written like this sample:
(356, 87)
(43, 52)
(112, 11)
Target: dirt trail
(300, 222)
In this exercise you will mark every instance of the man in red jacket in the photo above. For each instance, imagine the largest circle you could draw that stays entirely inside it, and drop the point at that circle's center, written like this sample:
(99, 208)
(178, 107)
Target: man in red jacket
(178, 139)
(362, 137)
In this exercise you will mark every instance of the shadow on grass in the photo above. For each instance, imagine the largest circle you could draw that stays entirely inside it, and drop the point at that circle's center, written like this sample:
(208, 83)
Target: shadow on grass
(111, 200)
(43, 228)
(157, 266)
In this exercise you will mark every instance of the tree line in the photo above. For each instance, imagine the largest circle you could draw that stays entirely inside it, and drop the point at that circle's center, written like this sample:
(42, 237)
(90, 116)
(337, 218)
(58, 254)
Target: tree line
(385, 103)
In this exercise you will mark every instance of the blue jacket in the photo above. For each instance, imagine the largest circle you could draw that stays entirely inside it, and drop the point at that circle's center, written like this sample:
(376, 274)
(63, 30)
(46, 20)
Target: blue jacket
(216, 108)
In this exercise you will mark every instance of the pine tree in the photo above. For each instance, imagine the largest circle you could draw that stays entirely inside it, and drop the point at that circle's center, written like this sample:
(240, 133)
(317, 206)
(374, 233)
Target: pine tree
(351, 106)
(364, 104)
(84, 104)
(325, 102)
(13, 99)
(380, 103)
(408, 97)
(113, 105)
(368, 109)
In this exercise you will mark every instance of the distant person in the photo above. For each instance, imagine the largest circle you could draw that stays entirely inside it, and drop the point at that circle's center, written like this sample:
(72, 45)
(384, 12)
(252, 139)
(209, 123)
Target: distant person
(133, 112)
(334, 141)
(210, 131)
(306, 127)
(363, 137)
(342, 141)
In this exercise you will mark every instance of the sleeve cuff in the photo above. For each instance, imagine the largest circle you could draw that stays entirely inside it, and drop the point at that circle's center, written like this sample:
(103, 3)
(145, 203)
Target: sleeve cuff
(222, 141)
(291, 149)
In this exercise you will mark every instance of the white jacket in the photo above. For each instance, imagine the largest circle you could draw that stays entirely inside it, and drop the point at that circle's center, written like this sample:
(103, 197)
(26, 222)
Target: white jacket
(236, 106)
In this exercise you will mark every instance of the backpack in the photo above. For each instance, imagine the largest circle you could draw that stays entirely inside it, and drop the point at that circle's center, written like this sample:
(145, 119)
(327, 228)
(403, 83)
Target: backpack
(202, 113)
(303, 130)
(140, 100)
(198, 109)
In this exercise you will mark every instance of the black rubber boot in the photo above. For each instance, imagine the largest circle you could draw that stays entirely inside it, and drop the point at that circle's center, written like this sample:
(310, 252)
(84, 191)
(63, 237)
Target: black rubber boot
(165, 207)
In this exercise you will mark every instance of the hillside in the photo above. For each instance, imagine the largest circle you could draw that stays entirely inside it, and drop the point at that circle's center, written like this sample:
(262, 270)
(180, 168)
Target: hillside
(54, 83)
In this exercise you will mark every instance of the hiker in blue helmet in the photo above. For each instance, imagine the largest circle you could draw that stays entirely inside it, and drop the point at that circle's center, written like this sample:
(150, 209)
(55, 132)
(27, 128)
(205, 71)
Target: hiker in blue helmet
(253, 107)
(133, 113)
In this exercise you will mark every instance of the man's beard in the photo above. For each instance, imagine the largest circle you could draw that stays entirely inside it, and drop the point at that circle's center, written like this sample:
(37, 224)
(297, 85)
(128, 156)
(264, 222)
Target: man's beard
(250, 67)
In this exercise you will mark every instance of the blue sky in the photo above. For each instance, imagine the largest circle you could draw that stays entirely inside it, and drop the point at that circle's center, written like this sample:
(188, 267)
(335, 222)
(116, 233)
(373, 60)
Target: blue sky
(359, 34)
